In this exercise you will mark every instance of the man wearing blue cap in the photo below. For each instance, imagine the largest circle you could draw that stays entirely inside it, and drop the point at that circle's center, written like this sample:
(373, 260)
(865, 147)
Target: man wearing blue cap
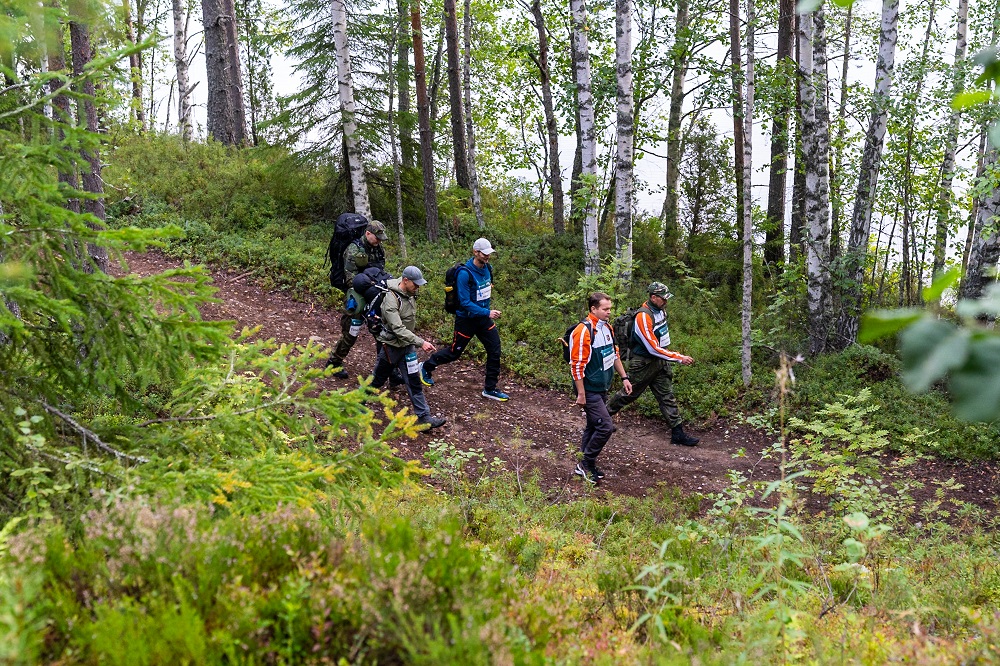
(399, 342)
(473, 318)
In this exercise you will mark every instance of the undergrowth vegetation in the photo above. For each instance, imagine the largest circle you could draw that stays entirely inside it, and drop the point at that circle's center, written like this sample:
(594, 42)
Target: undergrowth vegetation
(208, 503)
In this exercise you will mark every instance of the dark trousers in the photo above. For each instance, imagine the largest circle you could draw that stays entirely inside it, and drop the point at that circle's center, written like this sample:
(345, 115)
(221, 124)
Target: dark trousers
(345, 343)
(466, 328)
(394, 359)
(657, 375)
(599, 427)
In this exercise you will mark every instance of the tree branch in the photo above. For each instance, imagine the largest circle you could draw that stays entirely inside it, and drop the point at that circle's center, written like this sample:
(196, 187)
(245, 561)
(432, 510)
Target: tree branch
(90, 435)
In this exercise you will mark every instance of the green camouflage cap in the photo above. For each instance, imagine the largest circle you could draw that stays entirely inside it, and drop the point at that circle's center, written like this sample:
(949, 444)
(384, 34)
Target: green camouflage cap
(658, 289)
(378, 229)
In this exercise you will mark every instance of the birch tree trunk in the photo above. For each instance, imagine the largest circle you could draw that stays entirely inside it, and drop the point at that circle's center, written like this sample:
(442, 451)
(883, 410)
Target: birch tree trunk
(748, 200)
(985, 246)
(588, 136)
(816, 161)
(470, 130)
(135, 68)
(87, 115)
(424, 114)
(679, 64)
(577, 209)
(455, 95)
(951, 142)
(907, 292)
(626, 137)
(181, 64)
(737, 83)
(551, 129)
(345, 95)
(970, 233)
(774, 235)
(857, 248)
(837, 176)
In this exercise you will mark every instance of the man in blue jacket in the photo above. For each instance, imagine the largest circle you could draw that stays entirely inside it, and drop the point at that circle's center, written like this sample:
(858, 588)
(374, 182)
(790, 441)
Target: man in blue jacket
(473, 318)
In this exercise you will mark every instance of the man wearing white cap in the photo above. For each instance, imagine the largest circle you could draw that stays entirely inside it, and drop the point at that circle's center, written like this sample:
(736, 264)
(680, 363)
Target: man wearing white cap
(473, 318)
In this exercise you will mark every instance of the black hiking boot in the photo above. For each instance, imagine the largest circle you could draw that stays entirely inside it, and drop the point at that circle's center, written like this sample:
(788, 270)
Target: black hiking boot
(681, 438)
(431, 421)
(339, 374)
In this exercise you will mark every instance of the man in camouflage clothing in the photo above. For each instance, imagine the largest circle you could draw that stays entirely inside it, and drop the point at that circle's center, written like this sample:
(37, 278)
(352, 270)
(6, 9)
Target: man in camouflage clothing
(363, 253)
(652, 363)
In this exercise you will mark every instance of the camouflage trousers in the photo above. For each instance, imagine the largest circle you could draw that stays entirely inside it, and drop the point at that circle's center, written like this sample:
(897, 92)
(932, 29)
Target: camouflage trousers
(656, 375)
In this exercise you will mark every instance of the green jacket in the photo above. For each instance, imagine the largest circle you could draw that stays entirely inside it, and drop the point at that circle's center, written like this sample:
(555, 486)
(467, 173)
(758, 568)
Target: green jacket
(399, 318)
(359, 255)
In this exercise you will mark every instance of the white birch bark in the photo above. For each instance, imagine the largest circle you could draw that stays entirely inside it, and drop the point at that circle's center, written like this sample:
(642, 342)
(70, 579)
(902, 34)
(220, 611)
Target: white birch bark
(470, 135)
(183, 75)
(626, 137)
(951, 141)
(748, 199)
(588, 133)
(345, 94)
(861, 218)
(816, 158)
(985, 246)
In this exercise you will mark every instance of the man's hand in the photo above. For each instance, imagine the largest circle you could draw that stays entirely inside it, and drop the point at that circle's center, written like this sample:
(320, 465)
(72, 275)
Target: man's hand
(494, 314)
(687, 360)
(581, 399)
(428, 347)
(627, 385)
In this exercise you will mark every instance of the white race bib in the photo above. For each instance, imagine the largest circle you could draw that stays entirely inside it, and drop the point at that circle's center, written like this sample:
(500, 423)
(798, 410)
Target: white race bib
(665, 339)
(484, 293)
(609, 360)
(411, 364)
(355, 327)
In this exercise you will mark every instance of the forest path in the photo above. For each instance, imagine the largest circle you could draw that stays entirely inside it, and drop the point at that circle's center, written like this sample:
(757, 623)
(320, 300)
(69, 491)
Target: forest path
(538, 430)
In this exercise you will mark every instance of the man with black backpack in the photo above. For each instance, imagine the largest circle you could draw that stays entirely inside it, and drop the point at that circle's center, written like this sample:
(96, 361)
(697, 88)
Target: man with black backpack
(593, 359)
(468, 293)
(399, 341)
(651, 364)
(364, 252)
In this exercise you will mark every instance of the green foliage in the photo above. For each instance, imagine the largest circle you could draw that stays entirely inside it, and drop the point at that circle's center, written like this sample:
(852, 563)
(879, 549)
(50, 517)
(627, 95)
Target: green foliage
(845, 458)
(157, 583)
(933, 349)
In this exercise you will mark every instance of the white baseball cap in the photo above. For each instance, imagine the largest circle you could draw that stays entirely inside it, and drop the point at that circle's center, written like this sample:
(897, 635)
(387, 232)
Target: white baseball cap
(483, 245)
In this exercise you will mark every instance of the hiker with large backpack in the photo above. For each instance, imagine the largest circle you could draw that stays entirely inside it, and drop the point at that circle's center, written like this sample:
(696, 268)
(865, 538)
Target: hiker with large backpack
(593, 360)
(468, 293)
(647, 336)
(398, 311)
(356, 246)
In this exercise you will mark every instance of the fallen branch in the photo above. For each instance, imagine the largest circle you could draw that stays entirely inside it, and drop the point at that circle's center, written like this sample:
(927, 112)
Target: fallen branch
(92, 436)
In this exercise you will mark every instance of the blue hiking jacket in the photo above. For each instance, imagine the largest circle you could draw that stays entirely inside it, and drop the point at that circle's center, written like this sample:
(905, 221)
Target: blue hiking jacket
(469, 305)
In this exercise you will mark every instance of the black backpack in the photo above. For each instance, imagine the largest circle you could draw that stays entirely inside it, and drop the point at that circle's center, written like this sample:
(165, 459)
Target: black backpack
(349, 228)
(369, 282)
(451, 285)
(623, 327)
(373, 311)
(569, 331)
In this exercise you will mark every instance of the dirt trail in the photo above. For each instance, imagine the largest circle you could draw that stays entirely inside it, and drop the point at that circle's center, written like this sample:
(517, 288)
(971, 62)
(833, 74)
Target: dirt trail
(537, 430)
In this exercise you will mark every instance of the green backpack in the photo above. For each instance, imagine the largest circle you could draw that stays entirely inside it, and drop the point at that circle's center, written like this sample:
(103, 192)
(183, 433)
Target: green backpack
(623, 326)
